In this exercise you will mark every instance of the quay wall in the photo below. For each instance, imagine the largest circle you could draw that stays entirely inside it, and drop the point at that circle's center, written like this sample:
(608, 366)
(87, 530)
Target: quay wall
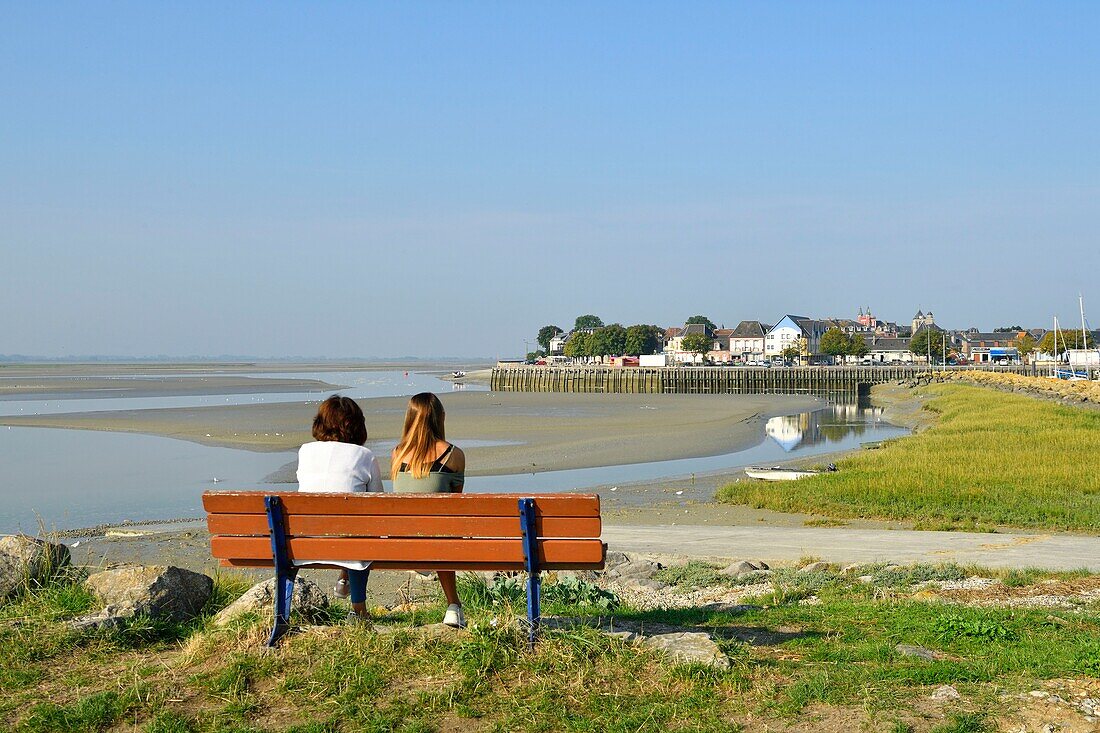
(711, 380)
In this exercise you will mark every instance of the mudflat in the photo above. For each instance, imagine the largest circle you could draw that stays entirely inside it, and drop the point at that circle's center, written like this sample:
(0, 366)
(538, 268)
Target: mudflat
(508, 432)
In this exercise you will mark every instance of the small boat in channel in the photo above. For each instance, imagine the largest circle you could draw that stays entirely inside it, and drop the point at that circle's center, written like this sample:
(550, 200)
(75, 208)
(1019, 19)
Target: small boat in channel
(781, 473)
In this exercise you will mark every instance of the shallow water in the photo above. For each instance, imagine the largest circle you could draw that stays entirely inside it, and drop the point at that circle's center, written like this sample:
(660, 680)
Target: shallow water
(74, 478)
(361, 385)
(828, 430)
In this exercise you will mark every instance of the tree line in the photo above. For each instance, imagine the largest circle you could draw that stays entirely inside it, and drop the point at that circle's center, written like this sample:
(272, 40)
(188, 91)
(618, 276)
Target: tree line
(592, 338)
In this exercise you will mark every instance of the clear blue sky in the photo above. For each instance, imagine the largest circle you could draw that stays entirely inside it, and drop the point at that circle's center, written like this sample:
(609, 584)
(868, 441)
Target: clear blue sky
(444, 178)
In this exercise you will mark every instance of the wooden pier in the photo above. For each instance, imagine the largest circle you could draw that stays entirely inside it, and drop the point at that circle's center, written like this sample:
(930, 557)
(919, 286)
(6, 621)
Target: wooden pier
(711, 380)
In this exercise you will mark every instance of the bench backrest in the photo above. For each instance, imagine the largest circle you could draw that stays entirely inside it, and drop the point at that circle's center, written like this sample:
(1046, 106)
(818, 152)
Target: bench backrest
(407, 531)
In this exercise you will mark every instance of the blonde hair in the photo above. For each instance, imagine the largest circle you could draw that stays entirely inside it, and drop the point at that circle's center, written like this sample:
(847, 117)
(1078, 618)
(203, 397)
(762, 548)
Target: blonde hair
(423, 429)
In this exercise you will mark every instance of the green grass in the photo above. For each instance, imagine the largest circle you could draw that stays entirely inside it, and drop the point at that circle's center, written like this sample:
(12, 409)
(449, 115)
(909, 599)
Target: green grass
(788, 660)
(991, 459)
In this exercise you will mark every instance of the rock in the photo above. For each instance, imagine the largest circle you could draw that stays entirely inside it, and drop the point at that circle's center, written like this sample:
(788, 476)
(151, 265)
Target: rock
(946, 692)
(815, 567)
(689, 646)
(851, 569)
(26, 560)
(308, 601)
(761, 565)
(866, 579)
(741, 567)
(908, 650)
(632, 568)
(156, 591)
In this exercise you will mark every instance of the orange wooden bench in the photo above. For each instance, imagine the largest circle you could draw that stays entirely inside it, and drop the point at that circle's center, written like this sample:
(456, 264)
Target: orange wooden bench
(404, 532)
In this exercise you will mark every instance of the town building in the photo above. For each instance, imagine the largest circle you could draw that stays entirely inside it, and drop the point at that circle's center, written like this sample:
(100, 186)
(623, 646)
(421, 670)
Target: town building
(802, 332)
(747, 341)
(674, 342)
(889, 351)
(985, 348)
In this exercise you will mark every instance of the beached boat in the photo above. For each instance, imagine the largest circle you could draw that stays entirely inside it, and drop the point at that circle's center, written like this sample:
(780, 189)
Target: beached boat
(457, 375)
(780, 473)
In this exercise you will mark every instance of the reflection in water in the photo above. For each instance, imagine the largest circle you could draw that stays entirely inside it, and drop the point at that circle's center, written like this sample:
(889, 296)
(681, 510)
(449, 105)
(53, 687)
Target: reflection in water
(829, 425)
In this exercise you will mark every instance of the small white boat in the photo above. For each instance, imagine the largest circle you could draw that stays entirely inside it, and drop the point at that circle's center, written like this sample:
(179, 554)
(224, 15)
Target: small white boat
(779, 473)
(458, 375)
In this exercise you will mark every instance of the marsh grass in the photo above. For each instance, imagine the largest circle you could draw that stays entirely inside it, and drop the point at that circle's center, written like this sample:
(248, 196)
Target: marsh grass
(991, 459)
(787, 660)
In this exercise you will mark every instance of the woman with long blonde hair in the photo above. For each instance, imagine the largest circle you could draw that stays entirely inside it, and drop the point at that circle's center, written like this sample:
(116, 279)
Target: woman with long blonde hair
(425, 463)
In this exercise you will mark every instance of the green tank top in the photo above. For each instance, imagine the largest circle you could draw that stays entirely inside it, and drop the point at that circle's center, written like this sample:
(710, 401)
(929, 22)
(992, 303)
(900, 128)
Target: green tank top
(440, 479)
(435, 482)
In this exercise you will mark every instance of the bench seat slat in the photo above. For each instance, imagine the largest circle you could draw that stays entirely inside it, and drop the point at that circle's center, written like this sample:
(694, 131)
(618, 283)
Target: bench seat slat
(345, 525)
(378, 504)
(429, 566)
(410, 550)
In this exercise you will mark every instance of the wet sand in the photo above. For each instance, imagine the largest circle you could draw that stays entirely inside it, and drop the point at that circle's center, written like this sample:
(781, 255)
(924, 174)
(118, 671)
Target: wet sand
(533, 431)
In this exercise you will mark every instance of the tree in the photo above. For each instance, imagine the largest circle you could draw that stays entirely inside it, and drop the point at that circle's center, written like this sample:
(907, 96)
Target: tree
(535, 355)
(642, 339)
(588, 321)
(791, 352)
(1025, 345)
(697, 343)
(545, 334)
(608, 341)
(1008, 329)
(835, 342)
(1065, 340)
(578, 345)
(858, 345)
(929, 340)
(702, 320)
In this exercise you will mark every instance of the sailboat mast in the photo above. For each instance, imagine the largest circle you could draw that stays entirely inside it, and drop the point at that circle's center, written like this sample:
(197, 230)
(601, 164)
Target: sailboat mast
(1081, 305)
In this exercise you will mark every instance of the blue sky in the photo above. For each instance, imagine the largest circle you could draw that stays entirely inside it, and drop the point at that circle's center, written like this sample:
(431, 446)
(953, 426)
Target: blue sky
(443, 178)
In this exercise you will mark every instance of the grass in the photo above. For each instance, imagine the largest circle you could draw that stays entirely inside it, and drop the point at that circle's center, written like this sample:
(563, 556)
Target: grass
(788, 660)
(991, 459)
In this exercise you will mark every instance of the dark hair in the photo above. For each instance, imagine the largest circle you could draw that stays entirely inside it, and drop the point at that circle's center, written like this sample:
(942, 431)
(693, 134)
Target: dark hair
(340, 419)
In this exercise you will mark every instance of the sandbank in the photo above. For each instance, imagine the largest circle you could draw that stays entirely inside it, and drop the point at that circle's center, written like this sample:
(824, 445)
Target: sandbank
(509, 432)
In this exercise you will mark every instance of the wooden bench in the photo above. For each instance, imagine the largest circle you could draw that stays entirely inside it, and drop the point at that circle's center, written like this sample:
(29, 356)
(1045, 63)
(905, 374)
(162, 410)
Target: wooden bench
(404, 532)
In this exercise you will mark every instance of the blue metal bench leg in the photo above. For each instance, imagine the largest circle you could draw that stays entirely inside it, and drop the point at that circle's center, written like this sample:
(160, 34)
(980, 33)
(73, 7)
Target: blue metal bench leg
(285, 572)
(531, 561)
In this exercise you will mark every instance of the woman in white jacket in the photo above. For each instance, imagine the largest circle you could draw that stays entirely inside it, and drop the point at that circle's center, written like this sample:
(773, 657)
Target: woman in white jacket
(338, 461)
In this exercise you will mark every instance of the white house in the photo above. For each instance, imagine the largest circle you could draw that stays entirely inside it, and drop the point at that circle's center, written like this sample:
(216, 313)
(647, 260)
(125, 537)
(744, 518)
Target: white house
(557, 344)
(889, 351)
(802, 332)
(747, 341)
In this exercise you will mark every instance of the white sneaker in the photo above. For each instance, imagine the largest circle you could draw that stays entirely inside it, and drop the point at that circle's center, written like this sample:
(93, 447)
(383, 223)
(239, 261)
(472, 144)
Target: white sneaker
(454, 616)
(340, 590)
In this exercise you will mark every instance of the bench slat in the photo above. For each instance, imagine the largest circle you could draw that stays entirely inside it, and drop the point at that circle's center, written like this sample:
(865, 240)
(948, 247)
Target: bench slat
(410, 550)
(357, 525)
(378, 504)
(428, 566)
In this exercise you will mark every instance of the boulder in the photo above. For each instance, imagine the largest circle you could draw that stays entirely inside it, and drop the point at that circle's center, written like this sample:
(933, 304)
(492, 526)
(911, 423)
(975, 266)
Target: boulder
(30, 560)
(689, 646)
(156, 591)
(309, 600)
(815, 567)
(624, 567)
(741, 567)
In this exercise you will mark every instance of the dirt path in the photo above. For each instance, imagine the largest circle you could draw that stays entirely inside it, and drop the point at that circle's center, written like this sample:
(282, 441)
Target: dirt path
(846, 545)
